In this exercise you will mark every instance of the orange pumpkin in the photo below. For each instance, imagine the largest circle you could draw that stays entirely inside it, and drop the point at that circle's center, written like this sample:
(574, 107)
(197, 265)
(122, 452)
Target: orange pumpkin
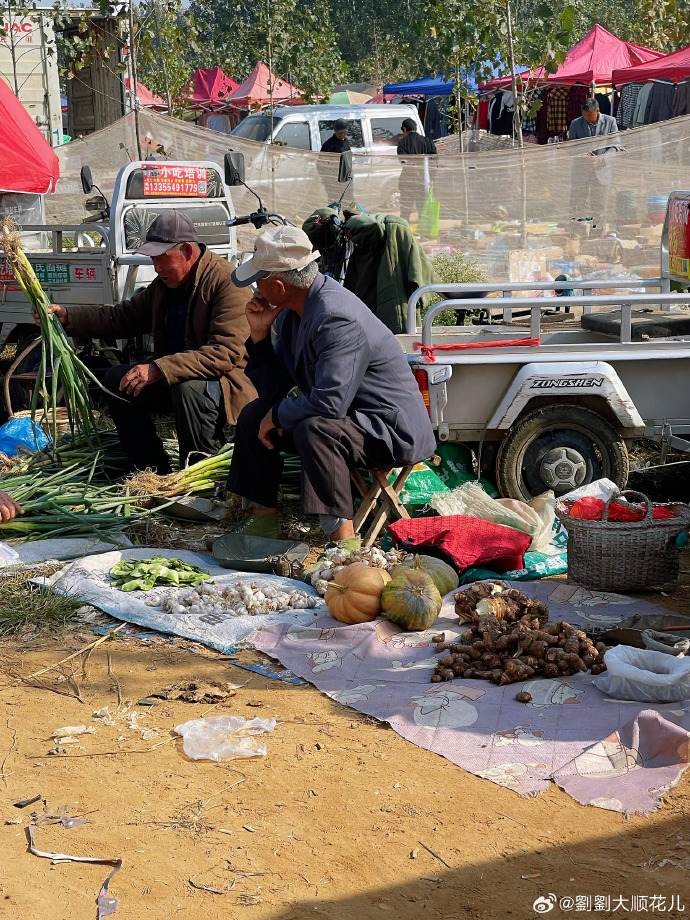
(354, 595)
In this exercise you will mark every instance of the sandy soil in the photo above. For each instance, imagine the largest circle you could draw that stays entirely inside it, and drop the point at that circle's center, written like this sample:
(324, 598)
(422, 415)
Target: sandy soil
(335, 821)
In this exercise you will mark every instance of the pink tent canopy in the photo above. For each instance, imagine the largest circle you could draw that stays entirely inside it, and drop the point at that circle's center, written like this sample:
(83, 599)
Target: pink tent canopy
(673, 67)
(592, 60)
(254, 90)
(148, 99)
(209, 88)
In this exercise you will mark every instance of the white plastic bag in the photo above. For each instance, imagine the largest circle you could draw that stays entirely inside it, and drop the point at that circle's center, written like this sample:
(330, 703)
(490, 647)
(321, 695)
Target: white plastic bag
(222, 738)
(471, 500)
(545, 507)
(640, 674)
(600, 488)
(8, 555)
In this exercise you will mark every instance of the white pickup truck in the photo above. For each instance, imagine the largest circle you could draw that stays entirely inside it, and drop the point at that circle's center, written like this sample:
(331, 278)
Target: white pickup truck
(554, 406)
(96, 262)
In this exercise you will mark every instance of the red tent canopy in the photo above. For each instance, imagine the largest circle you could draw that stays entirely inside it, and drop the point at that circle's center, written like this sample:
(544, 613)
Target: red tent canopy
(592, 60)
(148, 99)
(27, 161)
(209, 88)
(254, 90)
(673, 67)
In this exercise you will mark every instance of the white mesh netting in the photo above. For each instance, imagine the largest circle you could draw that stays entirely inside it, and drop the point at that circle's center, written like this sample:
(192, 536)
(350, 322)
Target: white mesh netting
(524, 215)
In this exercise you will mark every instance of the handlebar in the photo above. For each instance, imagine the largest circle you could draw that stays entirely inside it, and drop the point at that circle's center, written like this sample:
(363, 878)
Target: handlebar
(259, 219)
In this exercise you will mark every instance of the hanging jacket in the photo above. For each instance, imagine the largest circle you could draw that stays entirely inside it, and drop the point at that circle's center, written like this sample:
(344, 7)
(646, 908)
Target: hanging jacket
(386, 267)
(660, 105)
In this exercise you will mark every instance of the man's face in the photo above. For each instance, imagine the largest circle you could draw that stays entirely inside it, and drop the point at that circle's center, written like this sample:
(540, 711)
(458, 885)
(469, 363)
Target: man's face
(341, 135)
(174, 266)
(591, 117)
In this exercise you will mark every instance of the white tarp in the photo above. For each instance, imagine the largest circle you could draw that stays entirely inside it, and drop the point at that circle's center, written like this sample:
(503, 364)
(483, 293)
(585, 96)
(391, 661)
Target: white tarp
(88, 578)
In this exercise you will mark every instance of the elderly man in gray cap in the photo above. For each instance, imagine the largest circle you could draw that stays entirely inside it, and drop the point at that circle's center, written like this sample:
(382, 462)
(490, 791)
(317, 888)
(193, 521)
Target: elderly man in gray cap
(334, 387)
(197, 318)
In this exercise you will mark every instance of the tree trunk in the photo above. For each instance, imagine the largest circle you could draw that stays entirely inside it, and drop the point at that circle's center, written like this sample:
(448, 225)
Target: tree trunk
(517, 121)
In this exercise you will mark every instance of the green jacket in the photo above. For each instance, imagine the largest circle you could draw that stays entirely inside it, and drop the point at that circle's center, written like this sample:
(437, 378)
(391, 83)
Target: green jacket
(386, 267)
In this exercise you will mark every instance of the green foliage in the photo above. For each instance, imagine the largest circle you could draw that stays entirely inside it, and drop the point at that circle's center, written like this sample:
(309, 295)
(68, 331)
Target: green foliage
(166, 34)
(298, 42)
(455, 268)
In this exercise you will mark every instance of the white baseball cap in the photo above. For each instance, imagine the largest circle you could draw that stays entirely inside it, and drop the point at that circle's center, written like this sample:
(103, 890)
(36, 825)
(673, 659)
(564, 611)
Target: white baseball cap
(280, 249)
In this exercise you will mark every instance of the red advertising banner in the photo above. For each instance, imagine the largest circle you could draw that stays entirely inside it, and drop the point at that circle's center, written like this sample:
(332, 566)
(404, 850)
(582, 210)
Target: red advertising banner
(175, 181)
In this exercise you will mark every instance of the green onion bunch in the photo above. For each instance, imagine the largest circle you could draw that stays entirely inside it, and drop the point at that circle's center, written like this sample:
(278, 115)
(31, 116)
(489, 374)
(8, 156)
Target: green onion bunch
(202, 478)
(69, 373)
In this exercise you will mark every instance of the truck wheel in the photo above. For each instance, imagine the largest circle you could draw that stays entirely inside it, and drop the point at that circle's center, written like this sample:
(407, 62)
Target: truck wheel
(561, 448)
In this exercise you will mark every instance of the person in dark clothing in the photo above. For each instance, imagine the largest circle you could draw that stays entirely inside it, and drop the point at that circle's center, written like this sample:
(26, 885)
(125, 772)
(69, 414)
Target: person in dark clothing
(357, 403)
(413, 183)
(337, 142)
(328, 168)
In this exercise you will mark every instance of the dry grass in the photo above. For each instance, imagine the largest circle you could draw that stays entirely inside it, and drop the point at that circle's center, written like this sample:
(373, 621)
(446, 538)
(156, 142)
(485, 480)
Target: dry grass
(23, 604)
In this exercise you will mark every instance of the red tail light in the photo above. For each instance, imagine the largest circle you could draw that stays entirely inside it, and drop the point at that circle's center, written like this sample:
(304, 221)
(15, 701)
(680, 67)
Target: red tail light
(422, 379)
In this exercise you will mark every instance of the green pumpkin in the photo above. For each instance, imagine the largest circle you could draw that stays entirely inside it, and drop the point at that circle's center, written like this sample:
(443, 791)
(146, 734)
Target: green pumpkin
(411, 600)
(443, 576)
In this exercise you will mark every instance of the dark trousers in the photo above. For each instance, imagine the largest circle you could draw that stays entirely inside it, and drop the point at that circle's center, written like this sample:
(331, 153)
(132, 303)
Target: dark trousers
(412, 192)
(328, 448)
(197, 419)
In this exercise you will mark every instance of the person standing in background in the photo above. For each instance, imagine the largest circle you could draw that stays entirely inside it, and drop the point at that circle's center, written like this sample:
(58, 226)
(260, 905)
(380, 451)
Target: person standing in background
(413, 185)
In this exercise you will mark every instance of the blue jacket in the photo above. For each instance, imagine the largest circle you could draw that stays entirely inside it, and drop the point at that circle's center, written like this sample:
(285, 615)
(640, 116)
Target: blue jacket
(346, 363)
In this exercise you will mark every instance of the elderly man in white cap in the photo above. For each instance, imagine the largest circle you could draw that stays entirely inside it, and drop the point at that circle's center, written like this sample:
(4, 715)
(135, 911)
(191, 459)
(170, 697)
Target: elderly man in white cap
(334, 387)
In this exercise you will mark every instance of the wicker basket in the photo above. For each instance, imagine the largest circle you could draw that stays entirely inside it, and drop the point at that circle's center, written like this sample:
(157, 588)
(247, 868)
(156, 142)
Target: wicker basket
(611, 556)
(46, 421)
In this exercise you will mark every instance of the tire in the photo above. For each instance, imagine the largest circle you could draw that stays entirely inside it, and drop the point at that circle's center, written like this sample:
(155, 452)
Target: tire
(559, 447)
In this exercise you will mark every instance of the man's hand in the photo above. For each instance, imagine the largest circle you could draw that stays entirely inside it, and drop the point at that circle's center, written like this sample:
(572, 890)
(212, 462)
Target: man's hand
(265, 429)
(140, 376)
(260, 317)
(60, 312)
(9, 508)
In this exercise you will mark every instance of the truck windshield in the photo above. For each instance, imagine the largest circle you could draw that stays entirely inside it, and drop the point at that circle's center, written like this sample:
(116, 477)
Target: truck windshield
(254, 128)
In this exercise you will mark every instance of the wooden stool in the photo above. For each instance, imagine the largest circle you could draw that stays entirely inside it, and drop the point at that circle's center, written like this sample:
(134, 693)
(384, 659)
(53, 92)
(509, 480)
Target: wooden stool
(381, 499)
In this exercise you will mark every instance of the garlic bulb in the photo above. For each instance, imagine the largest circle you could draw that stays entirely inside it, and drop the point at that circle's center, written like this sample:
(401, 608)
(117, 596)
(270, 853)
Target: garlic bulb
(241, 599)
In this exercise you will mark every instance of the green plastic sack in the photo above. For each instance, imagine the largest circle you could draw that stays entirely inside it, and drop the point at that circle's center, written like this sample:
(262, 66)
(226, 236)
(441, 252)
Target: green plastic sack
(455, 459)
(422, 484)
(429, 219)
(456, 467)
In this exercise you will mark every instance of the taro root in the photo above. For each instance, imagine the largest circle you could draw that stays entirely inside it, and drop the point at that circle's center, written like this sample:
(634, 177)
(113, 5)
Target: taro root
(509, 639)
(523, 697)
(501, 607)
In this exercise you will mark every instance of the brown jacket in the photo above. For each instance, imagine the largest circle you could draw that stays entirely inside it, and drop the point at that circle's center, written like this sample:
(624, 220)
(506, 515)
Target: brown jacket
(215, 335)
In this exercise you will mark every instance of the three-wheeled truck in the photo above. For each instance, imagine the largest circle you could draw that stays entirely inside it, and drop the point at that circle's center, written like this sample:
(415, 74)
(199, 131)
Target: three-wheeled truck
(555, 405)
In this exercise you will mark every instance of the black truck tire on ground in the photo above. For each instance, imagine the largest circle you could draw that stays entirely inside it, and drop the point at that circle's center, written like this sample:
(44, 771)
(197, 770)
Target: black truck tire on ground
(559, 447)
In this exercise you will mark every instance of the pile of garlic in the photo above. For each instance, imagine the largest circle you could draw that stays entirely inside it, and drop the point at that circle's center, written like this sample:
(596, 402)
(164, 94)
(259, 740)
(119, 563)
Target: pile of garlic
(334, 561)
(240, 599)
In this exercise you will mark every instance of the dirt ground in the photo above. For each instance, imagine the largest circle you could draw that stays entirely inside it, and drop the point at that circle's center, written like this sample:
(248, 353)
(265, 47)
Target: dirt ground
(339, 820)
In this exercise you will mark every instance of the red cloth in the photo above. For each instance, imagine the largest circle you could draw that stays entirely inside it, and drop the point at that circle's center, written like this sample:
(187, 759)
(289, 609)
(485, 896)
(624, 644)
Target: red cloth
(27, 161)
(592, 509)
(481, 116)
(578, 94)
(464, 541)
